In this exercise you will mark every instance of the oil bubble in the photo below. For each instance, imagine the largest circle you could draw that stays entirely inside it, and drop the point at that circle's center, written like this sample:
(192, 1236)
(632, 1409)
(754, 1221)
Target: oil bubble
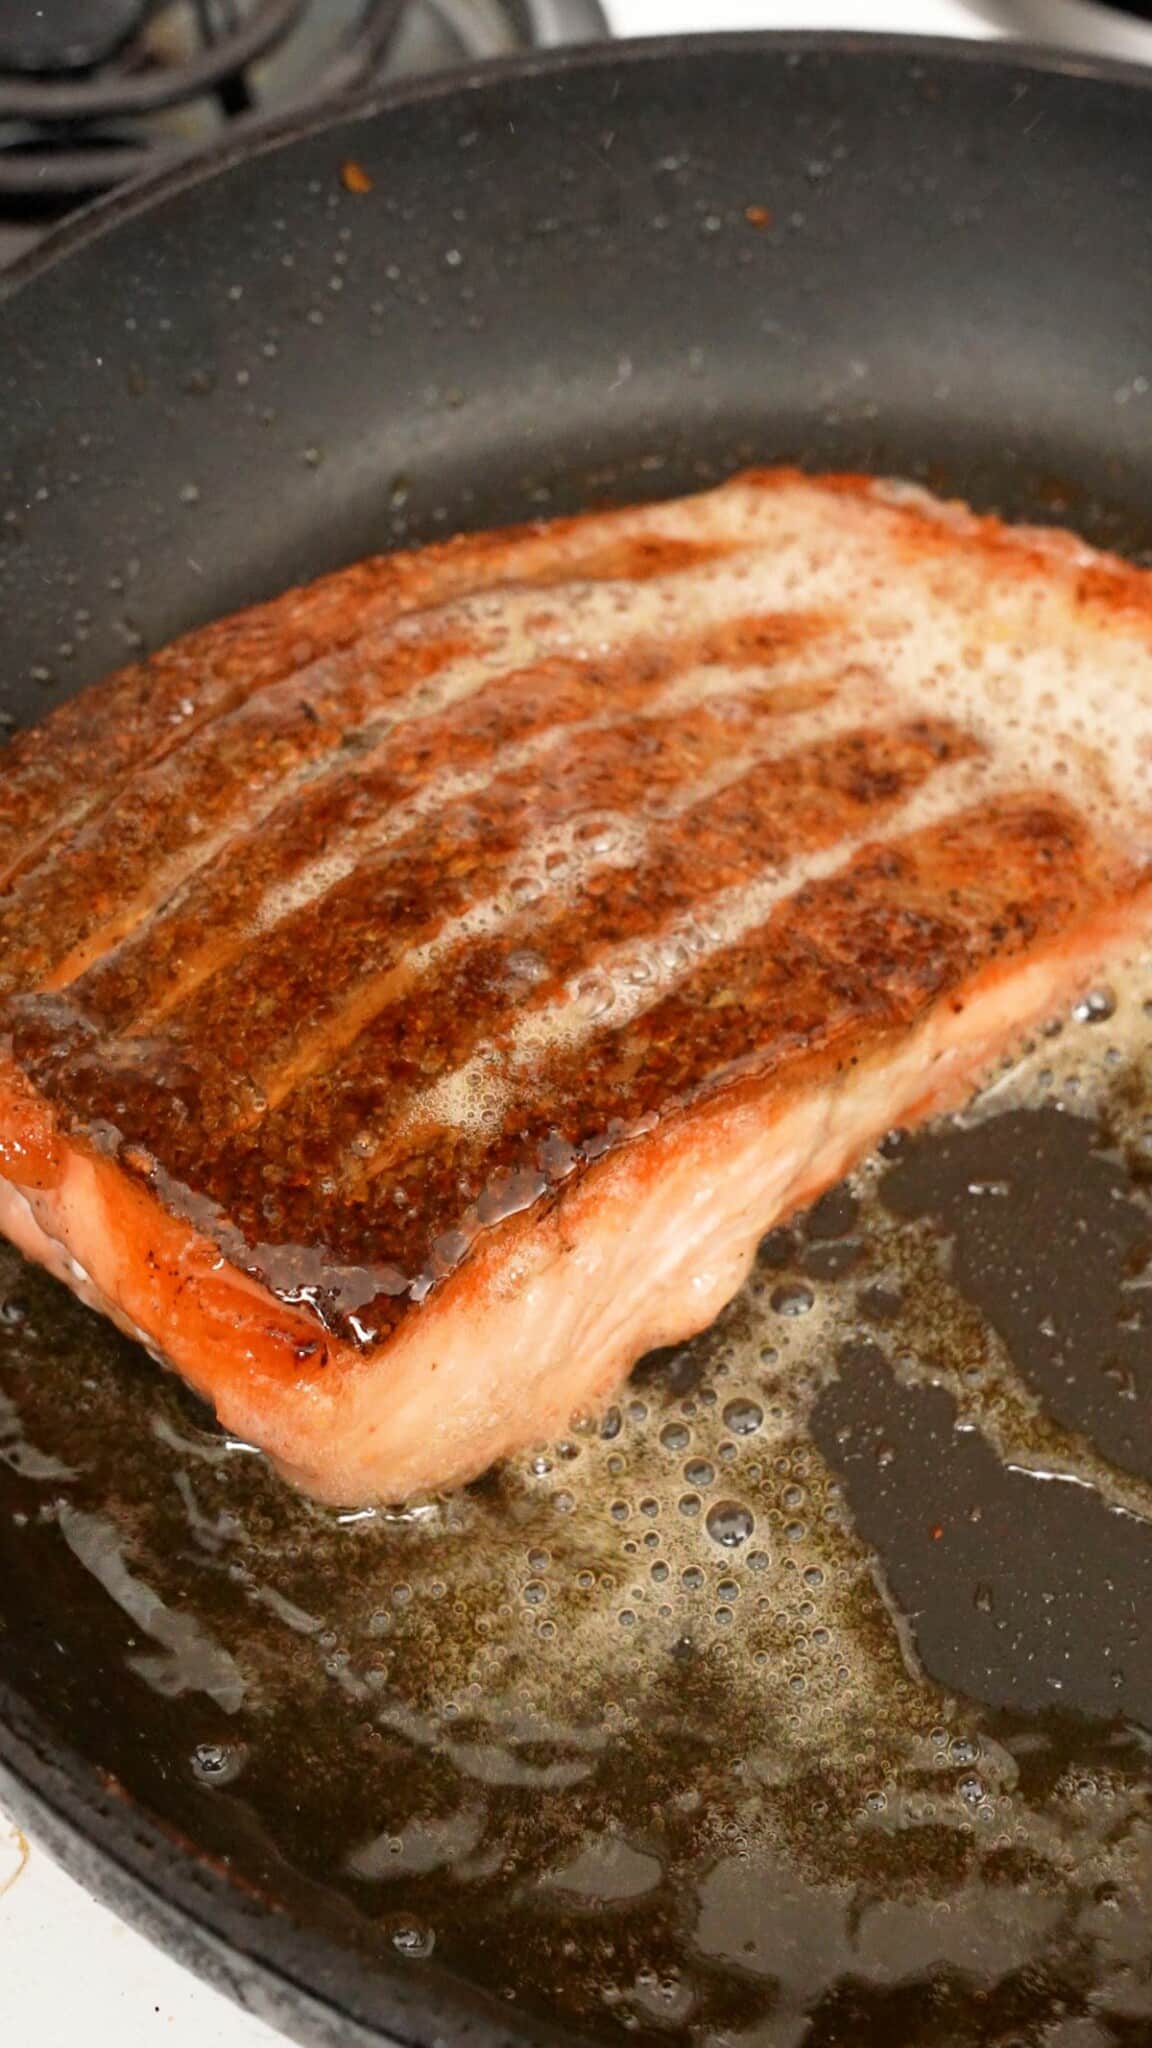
(411, 1938)
(793, 1298)
(1096, 1007)
(729, 1523)
(217, 1763)
(743, 1417)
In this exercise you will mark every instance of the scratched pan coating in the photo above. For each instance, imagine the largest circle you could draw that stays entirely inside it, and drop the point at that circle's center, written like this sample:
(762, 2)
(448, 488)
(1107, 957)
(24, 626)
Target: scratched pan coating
(808, 1699)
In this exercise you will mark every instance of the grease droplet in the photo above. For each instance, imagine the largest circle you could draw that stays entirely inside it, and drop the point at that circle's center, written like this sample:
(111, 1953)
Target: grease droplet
(729, 1523)
(743, 1418)
(413, 1939)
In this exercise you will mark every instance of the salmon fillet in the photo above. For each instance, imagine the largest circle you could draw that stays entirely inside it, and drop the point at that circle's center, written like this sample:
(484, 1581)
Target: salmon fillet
(419, 993)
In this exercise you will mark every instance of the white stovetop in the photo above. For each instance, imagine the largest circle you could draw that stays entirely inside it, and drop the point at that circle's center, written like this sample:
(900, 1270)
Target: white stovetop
(71, 1974)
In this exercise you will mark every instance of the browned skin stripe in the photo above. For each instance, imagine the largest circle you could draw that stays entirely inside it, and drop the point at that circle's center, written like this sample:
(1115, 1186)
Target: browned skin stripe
(169, 1102)
(207, 924)
(73, 764)
(312, 975)
(781, 809)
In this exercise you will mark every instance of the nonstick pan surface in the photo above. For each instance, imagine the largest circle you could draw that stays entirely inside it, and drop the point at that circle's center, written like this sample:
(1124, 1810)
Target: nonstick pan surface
(508, 1770)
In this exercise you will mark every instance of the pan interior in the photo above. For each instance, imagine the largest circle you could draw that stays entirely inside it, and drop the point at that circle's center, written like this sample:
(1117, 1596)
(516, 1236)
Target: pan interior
(806, 1697)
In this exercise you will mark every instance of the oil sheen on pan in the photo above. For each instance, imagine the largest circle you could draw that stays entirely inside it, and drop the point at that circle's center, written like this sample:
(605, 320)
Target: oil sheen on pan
(803, 1698)
(443, 974)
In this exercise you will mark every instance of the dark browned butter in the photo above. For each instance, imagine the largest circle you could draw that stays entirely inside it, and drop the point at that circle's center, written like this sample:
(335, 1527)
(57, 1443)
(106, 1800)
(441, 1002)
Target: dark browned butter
(804, 1700)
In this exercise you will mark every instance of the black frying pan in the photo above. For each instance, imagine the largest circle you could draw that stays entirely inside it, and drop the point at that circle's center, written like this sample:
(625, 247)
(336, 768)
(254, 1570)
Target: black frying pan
(617, 275)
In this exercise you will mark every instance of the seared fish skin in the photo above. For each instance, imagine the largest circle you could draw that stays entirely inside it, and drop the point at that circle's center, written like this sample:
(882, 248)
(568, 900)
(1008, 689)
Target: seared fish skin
(419, 993)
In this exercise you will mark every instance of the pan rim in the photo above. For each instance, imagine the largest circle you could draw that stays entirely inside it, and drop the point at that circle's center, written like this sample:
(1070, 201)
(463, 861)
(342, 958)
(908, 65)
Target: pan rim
(62, 1802)
(142, 197)
(181, 1901)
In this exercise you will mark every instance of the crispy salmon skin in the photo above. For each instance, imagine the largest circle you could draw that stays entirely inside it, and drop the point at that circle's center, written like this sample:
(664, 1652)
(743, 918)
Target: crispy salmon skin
(418, 994)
